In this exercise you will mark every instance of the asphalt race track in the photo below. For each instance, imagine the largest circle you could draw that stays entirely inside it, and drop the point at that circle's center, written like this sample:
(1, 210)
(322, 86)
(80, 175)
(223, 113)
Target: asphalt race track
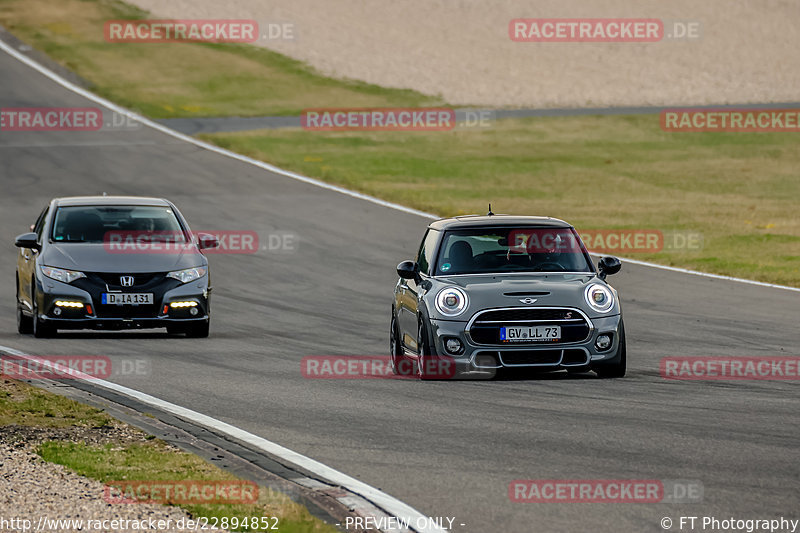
(445, 448)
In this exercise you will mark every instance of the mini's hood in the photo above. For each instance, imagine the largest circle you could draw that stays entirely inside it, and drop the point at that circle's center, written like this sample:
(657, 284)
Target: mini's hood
(548, 290)
(95, 257)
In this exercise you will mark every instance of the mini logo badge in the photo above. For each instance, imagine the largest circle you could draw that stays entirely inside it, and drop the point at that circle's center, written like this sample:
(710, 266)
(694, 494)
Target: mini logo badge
(126, 281)
(528, 301)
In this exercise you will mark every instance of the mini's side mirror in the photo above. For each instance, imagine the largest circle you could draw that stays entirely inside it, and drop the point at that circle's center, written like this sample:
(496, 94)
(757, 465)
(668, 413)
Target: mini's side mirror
(408, 270)
(608, 265)
(27, 240)
(206, 240)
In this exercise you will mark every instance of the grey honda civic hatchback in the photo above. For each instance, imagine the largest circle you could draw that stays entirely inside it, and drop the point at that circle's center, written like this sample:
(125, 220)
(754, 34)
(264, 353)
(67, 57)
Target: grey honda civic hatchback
(505, 292)
(111, 263)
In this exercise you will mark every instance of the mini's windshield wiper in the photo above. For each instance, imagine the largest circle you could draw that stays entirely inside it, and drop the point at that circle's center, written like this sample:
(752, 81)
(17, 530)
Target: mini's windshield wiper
(71, 240)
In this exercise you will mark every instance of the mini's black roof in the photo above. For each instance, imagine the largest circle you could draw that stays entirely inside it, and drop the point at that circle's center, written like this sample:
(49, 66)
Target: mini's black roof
(111, 200)
(469, 221)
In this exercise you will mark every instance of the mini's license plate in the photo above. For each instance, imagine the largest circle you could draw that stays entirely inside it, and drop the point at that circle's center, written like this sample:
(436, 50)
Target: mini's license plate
(127, 298)
(530, 334)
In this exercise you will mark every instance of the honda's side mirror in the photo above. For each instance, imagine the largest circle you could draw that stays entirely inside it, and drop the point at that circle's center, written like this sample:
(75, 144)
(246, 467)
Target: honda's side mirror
(27, 240)
(206, 240)
(608, 265)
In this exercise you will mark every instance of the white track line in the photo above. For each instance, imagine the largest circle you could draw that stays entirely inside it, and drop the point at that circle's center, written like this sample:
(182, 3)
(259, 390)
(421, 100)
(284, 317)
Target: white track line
(392, 505)
(266, 166)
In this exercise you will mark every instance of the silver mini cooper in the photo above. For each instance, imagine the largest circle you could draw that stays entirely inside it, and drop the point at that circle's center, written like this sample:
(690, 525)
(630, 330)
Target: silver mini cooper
(505, 292)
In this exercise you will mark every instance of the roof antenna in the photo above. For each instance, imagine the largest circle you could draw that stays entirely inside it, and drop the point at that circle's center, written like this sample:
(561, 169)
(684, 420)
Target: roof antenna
(490, 211)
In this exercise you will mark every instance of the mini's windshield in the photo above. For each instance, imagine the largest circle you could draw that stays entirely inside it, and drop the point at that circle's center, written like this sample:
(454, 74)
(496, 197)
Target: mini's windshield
(95, 223)
(519, 249)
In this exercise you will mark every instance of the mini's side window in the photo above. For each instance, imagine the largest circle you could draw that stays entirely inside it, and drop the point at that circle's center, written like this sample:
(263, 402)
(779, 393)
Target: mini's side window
(38, 228)
(426, 251)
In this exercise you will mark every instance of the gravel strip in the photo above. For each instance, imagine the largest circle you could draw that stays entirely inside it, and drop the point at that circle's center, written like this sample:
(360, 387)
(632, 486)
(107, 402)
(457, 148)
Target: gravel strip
(461, 49)
(33, 489)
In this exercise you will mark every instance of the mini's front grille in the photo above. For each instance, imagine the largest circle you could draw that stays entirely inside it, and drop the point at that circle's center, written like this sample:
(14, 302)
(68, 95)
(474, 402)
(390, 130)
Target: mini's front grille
(546, 358)
(531, 357)
(485, 328)
(526, 314)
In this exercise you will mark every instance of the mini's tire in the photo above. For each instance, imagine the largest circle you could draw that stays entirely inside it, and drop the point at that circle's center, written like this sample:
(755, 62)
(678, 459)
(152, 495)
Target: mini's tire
(396, 349)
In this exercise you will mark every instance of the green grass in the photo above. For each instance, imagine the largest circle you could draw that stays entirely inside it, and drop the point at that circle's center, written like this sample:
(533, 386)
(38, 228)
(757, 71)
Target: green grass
(28, 406)
(738, 190)
(148, 460)
(183, 79)
(153, 461)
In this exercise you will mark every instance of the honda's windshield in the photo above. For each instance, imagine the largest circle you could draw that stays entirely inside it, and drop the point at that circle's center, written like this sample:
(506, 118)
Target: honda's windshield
(102, 223)
(517, 249)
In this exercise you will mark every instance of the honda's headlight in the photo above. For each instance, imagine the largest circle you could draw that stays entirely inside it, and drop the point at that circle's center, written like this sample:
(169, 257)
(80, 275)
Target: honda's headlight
(599, 297)
(62, 274)
(451, 301)
(189, 274)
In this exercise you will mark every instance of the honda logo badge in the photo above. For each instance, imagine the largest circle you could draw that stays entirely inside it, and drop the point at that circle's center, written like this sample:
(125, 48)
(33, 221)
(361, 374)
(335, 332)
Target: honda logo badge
(126, 281)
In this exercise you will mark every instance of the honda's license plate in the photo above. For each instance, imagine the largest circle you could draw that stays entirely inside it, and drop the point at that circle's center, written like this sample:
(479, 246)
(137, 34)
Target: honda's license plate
(127, 298)
(530, 334)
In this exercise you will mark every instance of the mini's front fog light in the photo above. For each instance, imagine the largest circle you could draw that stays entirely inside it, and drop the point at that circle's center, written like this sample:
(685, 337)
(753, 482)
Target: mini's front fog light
(57, 311)
(193, 311)
(603, 342)
(183, 304)
(453, 345)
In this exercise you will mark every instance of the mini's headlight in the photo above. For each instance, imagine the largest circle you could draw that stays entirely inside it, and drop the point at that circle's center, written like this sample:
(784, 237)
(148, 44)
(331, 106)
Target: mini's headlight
(61, 274)
(189, 274)
(599, 297)
(451, 301)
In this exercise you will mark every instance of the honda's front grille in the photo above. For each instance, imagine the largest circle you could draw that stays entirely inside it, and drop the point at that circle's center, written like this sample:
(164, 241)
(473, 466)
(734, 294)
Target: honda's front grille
(156, 283)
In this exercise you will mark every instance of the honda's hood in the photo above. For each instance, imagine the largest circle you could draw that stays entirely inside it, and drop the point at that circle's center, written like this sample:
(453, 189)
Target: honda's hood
(96, 257)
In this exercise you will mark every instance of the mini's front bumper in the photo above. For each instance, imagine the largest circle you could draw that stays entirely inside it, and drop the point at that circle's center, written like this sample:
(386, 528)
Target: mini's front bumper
(483, 358)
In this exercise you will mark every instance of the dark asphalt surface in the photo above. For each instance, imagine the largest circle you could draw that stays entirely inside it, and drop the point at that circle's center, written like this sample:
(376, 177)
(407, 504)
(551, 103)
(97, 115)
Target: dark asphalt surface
(446, 448)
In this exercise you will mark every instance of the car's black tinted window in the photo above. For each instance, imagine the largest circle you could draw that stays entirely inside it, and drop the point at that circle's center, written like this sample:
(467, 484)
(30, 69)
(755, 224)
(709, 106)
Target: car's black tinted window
(95, 223)
(426, 250)
(490, 250)
(38, 228)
